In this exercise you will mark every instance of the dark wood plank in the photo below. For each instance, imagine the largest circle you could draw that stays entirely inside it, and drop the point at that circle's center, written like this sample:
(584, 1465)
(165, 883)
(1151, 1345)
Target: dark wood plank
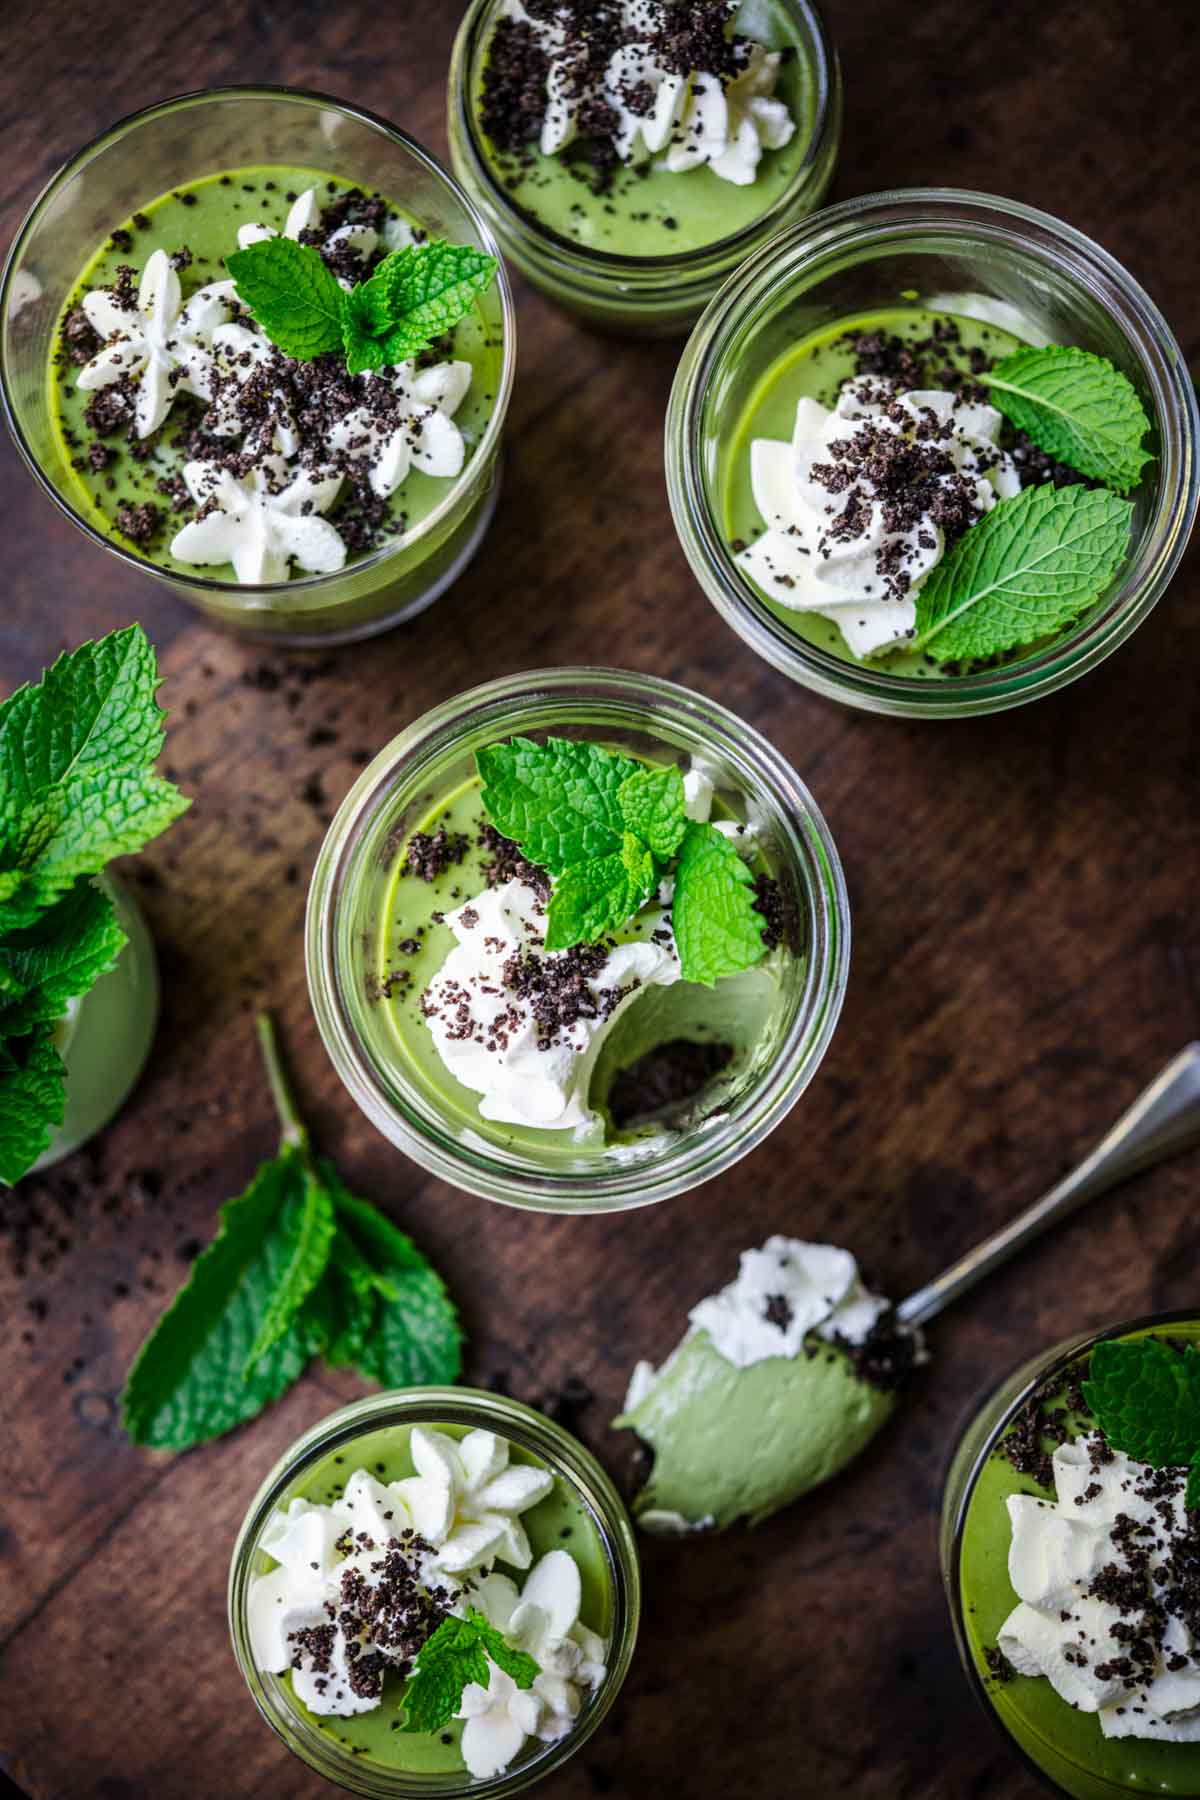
(1027, 952)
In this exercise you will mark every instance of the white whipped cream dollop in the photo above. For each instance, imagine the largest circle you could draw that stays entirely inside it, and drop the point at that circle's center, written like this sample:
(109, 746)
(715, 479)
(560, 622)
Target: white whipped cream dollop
(464, 1504)
(1063, 1630)
(261, 522)
(816, 555)
(686, 120)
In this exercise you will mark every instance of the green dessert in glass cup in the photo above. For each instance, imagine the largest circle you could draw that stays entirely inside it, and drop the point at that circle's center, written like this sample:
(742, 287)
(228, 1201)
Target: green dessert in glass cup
(435, 1591)
(933, 454)
(1071, 1558)
(577, 940)
(213, 390)
(630, 154)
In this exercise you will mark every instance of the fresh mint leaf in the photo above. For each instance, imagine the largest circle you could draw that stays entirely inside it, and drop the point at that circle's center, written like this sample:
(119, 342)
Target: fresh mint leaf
(60, 956)
(455, 1655)
(416, 1339)
(718, 932)
(187, 1384)
(76, 781)
(653, 807)
(345, 1305)
(593, 899)
(1077, 408)
(558, 801)
(1029, 567)
(429, 288)
(1146, 1399)
(315, 1231)
(293, 295)
(31, 1100)
(367, 316)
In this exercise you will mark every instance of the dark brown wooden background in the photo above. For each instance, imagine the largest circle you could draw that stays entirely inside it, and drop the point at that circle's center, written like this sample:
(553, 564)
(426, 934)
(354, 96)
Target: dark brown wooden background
(1027, 953)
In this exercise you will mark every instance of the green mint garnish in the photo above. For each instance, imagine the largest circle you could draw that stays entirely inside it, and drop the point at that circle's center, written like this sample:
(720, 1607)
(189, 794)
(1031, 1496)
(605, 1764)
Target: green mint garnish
(77, 788)
(717, 929)
(1146, 1401)
(299, 1267)
(457, 1653)
(414, 296)
(1077, 408)
(560, 801)
(608, 830)
(1029, 568)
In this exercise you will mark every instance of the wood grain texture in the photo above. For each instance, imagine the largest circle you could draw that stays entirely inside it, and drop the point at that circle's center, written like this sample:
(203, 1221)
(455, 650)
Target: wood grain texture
(1027, 953)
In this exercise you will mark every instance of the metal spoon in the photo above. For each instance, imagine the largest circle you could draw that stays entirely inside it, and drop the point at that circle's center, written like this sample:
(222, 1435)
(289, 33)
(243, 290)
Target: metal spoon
(1162, 1122)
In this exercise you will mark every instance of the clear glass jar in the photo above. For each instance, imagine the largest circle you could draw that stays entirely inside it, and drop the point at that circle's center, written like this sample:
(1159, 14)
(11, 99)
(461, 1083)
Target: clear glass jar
(470, 1409)
(981, 1437)
(167, 146)
(892, 249)
(348, 898)
(647, 296)
(105, 1037)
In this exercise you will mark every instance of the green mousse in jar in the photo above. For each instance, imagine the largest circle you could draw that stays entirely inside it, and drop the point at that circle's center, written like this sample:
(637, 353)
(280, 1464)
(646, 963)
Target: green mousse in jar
(602, 1035)
(1076, 1569)
(190, 437)
(386, 1557)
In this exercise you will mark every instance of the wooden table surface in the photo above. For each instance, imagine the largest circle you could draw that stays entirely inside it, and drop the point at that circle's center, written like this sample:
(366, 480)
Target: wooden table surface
(1027, 953)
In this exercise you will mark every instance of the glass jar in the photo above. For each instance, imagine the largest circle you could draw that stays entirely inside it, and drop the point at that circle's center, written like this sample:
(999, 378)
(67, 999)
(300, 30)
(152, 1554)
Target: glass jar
(167, 146)
(105, 1036)
(440, 1408)
(649, 296)
(347, 905)
(905, 248)
(1055, 1760)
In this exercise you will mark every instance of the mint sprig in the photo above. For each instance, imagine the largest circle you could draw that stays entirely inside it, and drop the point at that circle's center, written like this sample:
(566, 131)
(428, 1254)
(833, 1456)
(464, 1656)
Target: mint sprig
(77, 788)
(414, 296)
(1029, 568)
(457, 1653)
(299, 1267)
(1077, 407)
(609, 830)
(1146, 1400)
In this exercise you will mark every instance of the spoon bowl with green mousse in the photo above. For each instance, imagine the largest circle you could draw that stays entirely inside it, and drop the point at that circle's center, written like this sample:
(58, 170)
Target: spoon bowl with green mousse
(788, 1373)
(933, 453)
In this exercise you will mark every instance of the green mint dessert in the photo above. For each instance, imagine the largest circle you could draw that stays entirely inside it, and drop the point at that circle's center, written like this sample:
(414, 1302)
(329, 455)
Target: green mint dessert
(77, 789)
(233, 393)
(575, 952)
(1078, 1568)
(781, 1380)
(644, 128)
(436, 1599)
(923, 491)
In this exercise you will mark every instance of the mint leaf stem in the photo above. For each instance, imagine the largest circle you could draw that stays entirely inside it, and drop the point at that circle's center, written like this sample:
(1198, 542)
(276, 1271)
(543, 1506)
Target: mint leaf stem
(294, 1129)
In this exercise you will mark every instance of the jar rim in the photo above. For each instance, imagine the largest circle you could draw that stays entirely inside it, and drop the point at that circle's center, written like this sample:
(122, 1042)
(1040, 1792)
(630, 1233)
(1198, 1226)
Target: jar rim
(608, 266)
(568, 1459)
(617, 1183)
(933, 215)
(296, 586)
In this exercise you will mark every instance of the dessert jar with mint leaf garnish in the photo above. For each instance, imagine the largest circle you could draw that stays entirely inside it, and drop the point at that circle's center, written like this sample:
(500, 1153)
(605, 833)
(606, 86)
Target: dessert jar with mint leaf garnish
(577, 940)
(313, 460)
(630, 155)
(435, 1591)
(933, 453)
(1070, 1549)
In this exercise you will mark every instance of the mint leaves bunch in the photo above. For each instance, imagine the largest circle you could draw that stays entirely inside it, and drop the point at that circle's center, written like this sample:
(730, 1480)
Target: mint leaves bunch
(77, 788)
(1034, 563)
(457, 1653)
(609, 830)
(299, 1267)
(414, 296)
(1146, 1400)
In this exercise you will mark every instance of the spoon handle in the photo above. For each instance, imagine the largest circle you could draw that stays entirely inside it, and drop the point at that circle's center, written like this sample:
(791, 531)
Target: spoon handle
(1163, 1121)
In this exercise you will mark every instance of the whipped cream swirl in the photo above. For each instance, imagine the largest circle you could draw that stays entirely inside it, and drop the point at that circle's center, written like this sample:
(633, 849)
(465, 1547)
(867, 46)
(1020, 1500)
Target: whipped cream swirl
(630, 80)
(359, 1585)
(865, 500)
(1103, 1573)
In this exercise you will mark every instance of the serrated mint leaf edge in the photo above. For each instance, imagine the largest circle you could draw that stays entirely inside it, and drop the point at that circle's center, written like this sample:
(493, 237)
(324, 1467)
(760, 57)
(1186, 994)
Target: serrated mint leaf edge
(1122, 457)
